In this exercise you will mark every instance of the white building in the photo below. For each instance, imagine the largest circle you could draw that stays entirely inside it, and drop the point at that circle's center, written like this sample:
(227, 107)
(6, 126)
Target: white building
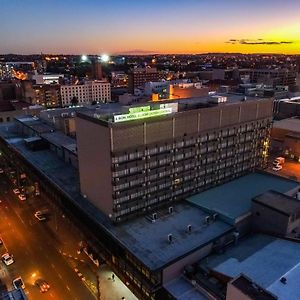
(47, 78)
(90, 91)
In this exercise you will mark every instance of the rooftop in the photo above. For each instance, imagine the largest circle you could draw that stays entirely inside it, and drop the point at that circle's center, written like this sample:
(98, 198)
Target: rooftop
(149, 241)
(233, 199)
(166, 107)
(249, 288)
(279, 202)
(36, 124)
(291, 124)
(265, 260)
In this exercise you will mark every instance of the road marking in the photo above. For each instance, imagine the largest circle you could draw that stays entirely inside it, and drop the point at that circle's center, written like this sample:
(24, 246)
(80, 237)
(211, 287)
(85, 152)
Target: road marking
(52, 265)
(68, 288)
(59, 276)
(51, 295)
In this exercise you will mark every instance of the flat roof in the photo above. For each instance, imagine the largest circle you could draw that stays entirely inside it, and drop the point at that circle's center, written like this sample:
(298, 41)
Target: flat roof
(149, 241)
(146, 240)
(251, 289)
(280, 202)
(35, 124)
(264, 259)
(233, 199)
(184, 104)
(181, 289)
(290, 124)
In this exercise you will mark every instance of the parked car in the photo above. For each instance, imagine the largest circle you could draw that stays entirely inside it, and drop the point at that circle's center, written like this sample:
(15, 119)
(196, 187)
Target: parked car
(22, 197)
(7, 259)
(42, 284)
(18, 283)
(277, 168)
(16, 191)
(40, 216)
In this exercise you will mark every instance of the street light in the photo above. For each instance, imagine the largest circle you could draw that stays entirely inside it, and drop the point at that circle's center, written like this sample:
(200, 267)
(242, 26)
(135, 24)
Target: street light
(84, 58)
(104, 58)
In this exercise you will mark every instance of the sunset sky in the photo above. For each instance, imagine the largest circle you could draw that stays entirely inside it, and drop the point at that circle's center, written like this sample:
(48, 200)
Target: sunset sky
(147, 26)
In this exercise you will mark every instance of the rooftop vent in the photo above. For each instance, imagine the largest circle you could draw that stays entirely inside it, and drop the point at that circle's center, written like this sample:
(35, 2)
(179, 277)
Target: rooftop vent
(170, 209)
(189, 228)
(207, 220)
(283, 280)
(170, 238)
(154, 217)
(214, 216)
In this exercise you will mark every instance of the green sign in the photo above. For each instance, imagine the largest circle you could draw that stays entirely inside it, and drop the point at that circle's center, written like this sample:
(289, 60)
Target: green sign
(142, 114)
(139, 109)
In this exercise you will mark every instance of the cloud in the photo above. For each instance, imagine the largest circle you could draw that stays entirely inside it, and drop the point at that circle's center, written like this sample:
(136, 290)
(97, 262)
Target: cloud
(257, 42)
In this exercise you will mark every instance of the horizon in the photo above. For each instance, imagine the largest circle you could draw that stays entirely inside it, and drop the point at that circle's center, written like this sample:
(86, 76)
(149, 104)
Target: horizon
(156, 27)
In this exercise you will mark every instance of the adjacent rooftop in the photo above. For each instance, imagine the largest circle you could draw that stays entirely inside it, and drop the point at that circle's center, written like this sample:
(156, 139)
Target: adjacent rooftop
(233, 199)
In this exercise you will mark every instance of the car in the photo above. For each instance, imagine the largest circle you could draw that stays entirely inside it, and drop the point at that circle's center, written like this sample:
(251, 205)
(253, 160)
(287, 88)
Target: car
(42, 284)
(22, 197)
(18, 283)
(277, 168)
(7, 259)
(40, 216)
(16, 191)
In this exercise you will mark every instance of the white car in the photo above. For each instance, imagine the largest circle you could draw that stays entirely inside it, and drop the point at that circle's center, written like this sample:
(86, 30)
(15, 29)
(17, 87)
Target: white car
(16, 191)
(7, 259)
(18, 283)
(40, 216)
(22, 197)
(277, 168)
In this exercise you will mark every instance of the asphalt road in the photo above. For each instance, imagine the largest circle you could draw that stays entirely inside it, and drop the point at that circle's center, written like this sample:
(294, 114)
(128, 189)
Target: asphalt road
(34, 247)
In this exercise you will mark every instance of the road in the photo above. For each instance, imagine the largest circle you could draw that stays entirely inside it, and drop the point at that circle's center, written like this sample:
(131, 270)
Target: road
(35, 250)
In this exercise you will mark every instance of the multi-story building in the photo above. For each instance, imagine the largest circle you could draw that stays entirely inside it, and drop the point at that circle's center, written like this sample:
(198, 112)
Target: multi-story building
(139, 76)
(153, 155)
(273, 77)
(47, 95)
(90, 91)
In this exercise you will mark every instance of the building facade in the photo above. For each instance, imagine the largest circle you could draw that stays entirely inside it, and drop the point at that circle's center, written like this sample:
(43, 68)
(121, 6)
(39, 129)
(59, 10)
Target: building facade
(91, 91)
(139, 76)
(149, 163)
(47, 95)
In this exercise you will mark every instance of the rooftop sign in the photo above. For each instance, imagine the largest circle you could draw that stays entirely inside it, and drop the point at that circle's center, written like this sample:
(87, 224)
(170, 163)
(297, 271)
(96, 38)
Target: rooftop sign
(143, 112)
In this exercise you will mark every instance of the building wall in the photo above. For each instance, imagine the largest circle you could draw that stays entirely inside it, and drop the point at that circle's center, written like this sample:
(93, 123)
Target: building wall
(268, 220)
(93, 143)
(235, 294)
(176, 269)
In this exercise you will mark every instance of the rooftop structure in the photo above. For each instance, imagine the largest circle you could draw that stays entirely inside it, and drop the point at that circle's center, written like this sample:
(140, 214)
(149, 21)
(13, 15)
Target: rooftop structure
(233, 199)
(265, 260)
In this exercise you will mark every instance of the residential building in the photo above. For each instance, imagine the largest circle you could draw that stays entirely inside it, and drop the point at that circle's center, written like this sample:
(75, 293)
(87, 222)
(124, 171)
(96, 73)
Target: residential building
(90, 91)
(47, 95)
(148, 161)
(139, 76)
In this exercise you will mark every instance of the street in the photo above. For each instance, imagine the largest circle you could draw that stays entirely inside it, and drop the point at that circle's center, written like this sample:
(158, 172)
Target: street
(34, 248)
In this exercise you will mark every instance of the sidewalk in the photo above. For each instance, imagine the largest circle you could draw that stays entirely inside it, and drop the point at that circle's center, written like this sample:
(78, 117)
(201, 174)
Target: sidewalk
(86, 270)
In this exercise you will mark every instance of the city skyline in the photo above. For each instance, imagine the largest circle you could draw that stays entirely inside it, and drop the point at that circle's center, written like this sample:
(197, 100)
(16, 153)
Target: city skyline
(116, 27)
